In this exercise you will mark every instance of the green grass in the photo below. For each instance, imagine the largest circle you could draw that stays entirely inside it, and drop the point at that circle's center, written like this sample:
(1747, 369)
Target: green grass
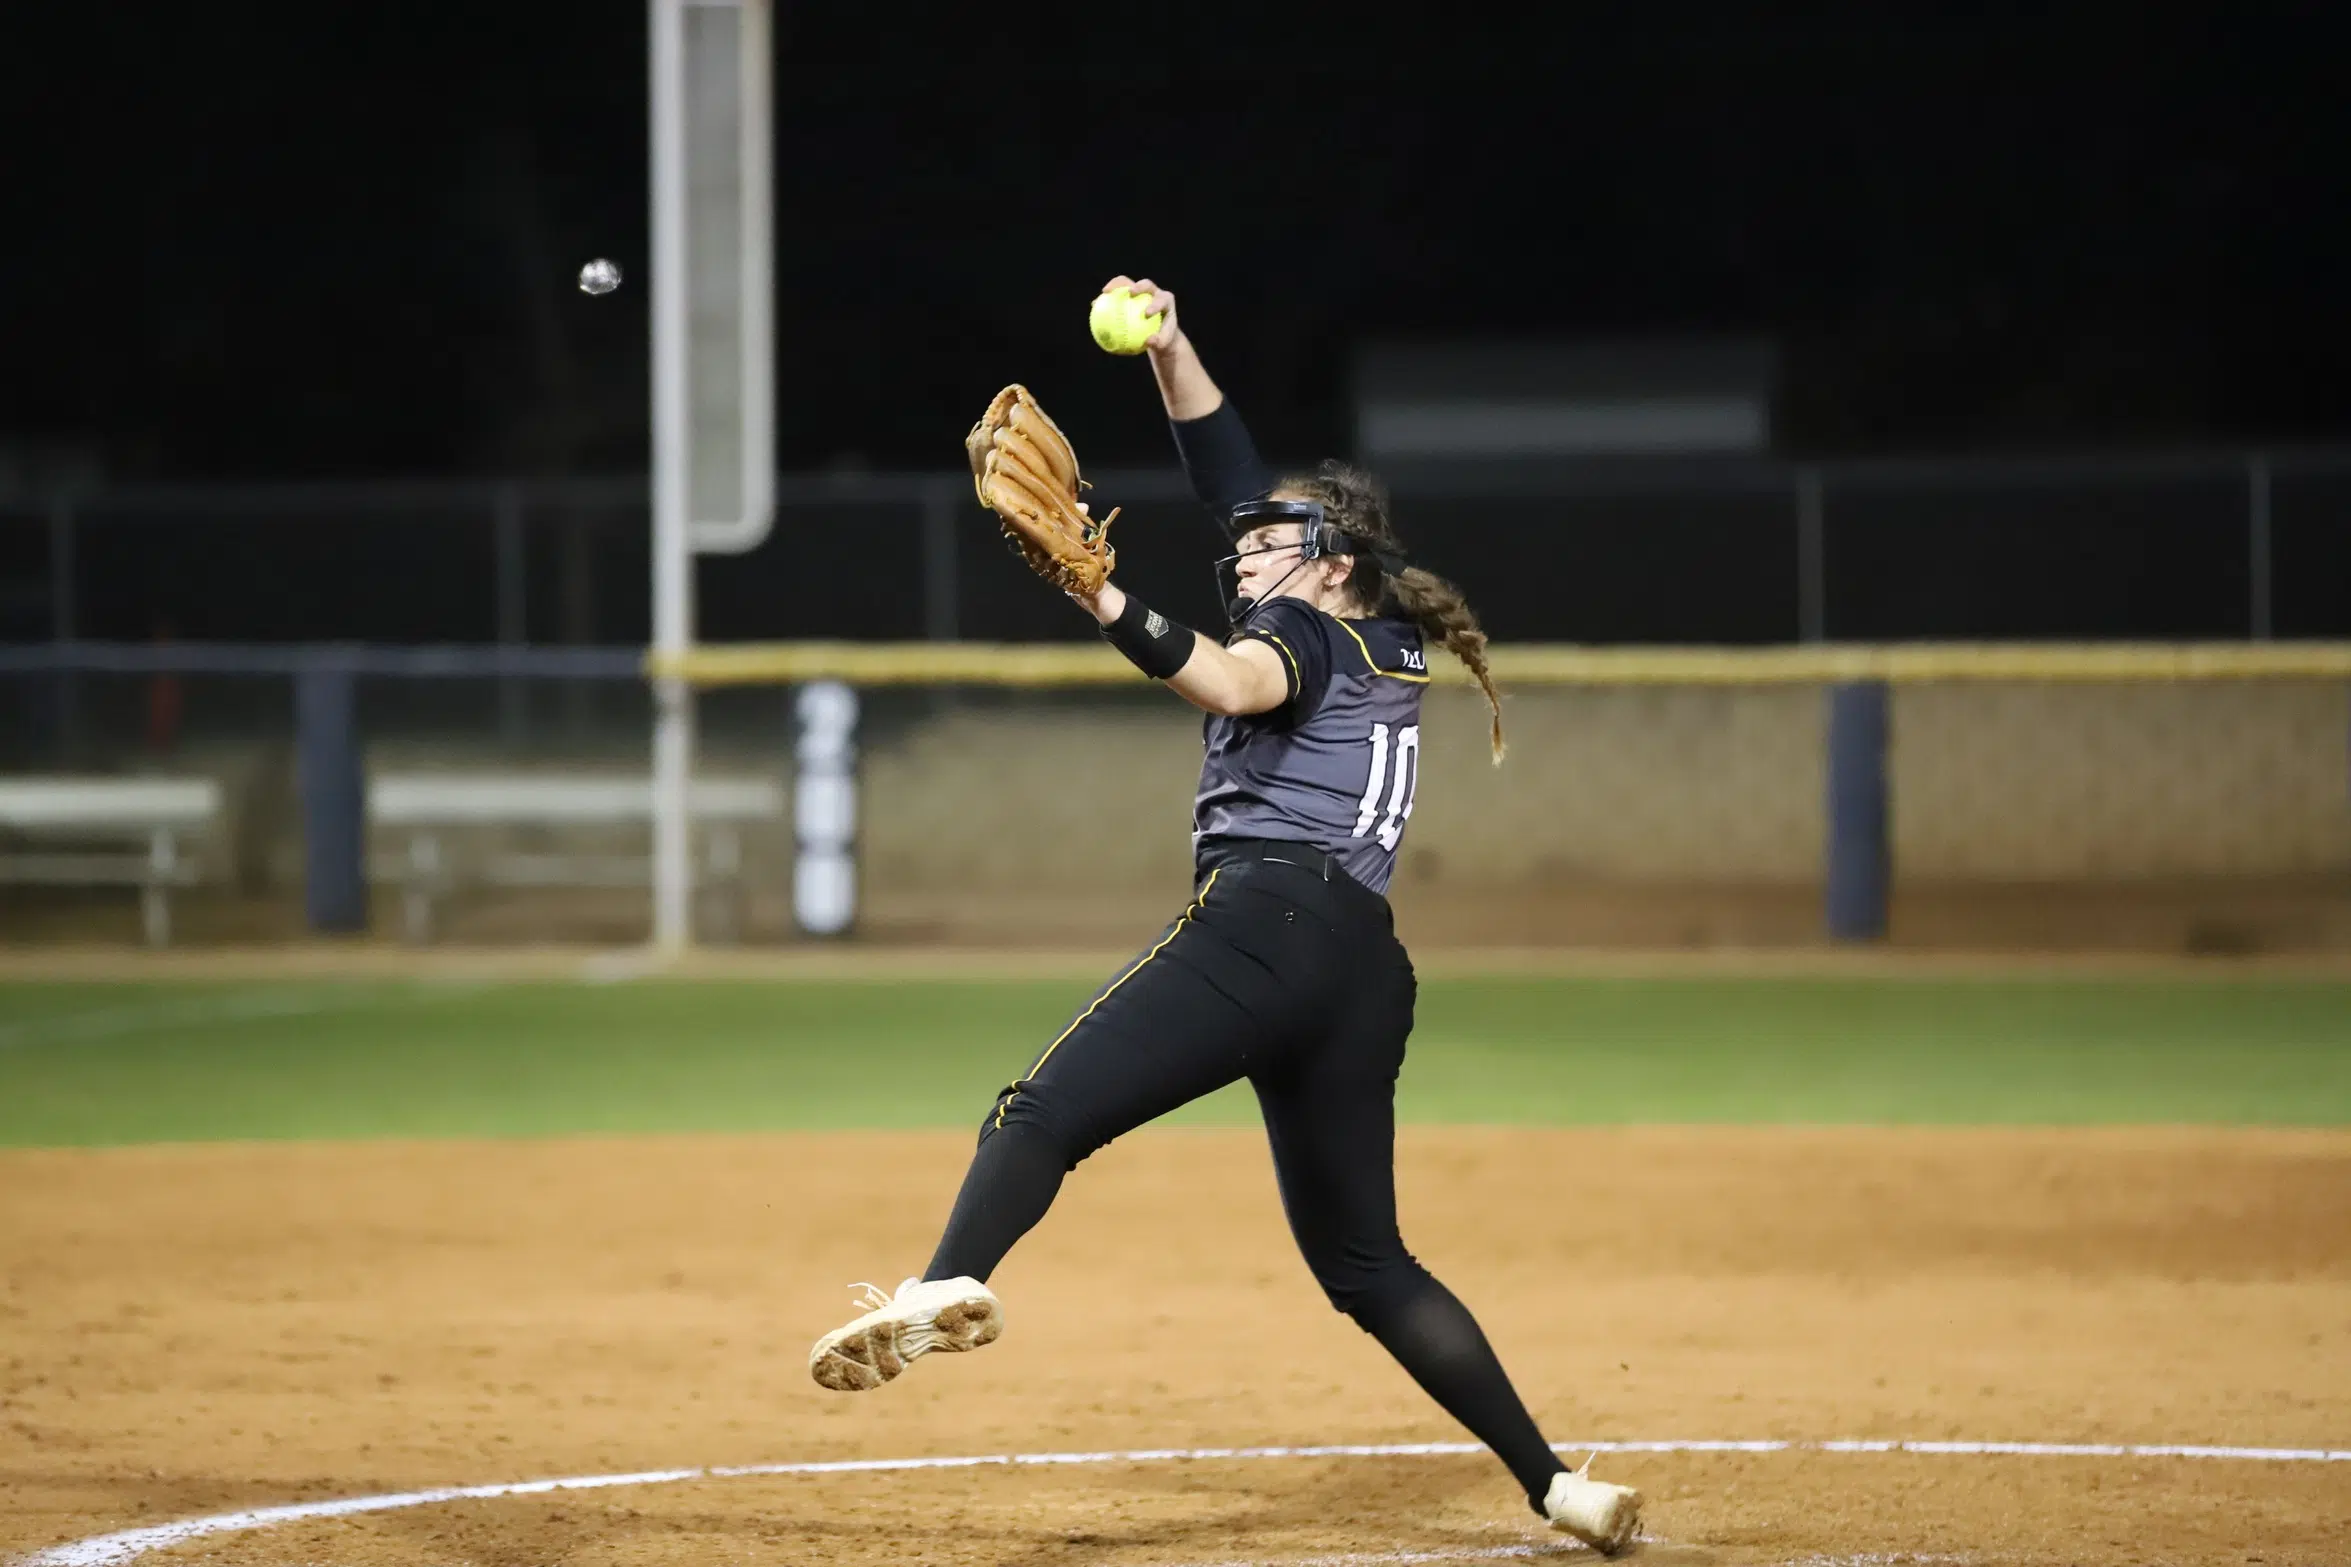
(137, 1063)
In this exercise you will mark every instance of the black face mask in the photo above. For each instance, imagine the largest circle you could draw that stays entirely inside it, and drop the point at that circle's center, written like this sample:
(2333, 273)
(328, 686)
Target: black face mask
(1318, 539)
(1316, 542)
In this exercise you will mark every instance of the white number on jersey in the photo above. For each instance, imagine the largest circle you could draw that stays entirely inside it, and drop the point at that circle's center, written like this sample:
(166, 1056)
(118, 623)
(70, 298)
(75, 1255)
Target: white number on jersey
(1399, 794)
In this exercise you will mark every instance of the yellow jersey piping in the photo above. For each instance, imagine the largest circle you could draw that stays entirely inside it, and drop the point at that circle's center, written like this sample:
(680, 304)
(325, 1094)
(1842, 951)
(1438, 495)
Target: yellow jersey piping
(1418, 680)
(1185, 919)
(1297, 675)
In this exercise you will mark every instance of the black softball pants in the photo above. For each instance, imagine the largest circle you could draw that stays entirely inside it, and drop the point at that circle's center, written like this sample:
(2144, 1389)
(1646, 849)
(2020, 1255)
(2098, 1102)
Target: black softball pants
(1287, 972)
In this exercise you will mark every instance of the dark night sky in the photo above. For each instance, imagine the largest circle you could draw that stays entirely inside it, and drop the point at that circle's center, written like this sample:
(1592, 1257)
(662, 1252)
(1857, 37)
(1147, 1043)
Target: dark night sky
(339, 240)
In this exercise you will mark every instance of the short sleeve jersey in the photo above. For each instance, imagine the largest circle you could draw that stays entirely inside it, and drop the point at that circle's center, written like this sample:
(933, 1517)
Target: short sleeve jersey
(1336, 764)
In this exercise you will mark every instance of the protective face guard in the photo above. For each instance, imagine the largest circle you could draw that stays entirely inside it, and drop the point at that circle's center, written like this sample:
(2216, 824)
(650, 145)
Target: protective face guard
(1319, 539)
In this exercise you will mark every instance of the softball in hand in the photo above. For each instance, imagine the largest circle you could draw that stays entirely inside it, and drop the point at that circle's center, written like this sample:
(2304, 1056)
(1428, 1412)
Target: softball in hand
(1121, 321)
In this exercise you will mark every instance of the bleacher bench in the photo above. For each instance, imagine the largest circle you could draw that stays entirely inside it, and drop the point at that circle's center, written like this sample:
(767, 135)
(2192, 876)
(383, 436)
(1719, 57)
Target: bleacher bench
(422, 809)
(66, 831)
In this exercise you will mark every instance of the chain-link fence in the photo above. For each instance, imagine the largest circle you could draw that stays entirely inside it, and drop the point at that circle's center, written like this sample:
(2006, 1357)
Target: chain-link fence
(1646, 551)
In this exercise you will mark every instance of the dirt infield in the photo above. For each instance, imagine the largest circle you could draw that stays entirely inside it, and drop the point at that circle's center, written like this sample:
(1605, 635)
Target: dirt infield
(187, 1330)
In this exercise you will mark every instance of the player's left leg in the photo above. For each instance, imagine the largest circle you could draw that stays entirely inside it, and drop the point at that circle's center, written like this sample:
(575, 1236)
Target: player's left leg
(1189, 1016)
(1330, 1116)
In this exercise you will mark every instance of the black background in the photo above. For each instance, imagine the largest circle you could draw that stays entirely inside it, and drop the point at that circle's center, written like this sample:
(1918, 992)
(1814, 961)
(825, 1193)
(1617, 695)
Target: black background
(252, 242)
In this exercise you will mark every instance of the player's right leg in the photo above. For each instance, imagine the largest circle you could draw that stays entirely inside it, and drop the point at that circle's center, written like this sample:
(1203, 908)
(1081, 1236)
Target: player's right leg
(1191, 1014)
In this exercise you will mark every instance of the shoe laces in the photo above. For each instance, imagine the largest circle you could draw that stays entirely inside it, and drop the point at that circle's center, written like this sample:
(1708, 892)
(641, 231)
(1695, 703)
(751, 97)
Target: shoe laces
(872, 1297)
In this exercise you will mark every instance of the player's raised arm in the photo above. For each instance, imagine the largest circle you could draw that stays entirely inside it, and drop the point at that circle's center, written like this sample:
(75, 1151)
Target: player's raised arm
(1214, 444)
(1184, 384)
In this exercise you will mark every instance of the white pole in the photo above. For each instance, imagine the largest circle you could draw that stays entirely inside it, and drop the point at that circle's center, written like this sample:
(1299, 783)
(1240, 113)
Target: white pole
(673, 560)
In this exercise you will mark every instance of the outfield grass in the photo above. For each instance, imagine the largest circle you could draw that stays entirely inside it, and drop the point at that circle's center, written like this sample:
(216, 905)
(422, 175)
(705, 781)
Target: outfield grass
(88, 1064)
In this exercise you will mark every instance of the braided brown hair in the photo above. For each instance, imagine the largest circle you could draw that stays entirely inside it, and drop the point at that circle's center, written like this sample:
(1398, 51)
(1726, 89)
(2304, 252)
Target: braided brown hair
(1355, 502)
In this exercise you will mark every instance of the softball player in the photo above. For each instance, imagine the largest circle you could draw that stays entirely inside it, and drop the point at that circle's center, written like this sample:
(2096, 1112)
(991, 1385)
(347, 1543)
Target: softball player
(1285, 968)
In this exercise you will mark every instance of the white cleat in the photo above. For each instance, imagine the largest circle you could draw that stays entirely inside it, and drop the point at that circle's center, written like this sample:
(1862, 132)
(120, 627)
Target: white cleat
(944, 1314)
(1601, 1515)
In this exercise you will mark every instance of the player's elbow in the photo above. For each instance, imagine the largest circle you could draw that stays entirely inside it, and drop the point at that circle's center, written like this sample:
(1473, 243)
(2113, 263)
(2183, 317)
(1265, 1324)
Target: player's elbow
(1227, 692)
(1249, 694)
(1231, 704)
(1231, 683)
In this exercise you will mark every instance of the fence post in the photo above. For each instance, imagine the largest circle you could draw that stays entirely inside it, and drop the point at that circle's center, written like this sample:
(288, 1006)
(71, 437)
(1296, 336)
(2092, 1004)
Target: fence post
(1859, 851)
(334, 798)
(2259, 566)
(939, 565)
(1812, 591)
(507, 514)
(65, 694)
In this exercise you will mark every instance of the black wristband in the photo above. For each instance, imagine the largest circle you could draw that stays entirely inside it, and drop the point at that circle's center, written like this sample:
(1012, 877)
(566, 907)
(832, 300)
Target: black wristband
(1153, 643)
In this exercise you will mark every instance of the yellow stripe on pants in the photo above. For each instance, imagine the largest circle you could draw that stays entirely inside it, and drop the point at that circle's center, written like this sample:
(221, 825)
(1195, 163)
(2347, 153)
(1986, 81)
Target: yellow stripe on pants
(1182, 920)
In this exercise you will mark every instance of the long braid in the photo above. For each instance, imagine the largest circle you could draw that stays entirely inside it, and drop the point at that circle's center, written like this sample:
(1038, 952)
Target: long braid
(1358, 503)
(1445, 617)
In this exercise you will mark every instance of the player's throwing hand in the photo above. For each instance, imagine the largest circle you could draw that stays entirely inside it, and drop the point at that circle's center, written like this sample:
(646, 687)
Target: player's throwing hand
(1163, 305)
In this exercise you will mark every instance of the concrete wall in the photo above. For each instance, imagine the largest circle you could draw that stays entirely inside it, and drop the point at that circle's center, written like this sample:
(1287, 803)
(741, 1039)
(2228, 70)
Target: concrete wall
(1678, 784)
(2129, 814)
(2034, 782)
(2133, 815)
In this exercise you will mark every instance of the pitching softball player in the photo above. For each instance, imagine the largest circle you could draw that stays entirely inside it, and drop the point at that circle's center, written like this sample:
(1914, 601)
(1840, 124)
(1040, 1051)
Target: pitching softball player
(1285, 968)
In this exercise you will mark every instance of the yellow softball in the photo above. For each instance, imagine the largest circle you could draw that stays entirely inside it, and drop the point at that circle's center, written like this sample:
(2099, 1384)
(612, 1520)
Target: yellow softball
(1121, 320)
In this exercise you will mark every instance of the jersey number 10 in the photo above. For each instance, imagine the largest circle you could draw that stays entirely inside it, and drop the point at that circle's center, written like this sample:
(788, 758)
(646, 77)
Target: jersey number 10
(1407, 784)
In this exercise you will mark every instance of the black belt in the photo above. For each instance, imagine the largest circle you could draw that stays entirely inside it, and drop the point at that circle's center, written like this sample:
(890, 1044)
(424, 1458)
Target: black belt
(1278, 851)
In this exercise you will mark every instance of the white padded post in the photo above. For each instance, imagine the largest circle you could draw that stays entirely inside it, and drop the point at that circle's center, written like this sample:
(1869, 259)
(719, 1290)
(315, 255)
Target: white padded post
(155, 893)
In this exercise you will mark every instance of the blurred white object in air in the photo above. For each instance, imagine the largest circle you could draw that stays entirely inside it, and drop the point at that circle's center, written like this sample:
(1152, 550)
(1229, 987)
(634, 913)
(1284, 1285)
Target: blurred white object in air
(599, 277)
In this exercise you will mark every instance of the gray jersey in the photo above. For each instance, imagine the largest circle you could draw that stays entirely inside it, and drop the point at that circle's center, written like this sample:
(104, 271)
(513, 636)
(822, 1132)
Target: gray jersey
(1337, 763)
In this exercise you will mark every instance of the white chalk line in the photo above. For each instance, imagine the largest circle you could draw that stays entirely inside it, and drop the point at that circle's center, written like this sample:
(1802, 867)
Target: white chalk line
(625, 965)
(106, 1549)
(104, 1023)
(1496, 1553)
(1476, 1553)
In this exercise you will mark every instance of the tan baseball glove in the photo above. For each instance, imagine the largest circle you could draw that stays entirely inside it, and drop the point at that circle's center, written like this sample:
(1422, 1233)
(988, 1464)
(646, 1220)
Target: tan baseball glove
(1026, 473)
